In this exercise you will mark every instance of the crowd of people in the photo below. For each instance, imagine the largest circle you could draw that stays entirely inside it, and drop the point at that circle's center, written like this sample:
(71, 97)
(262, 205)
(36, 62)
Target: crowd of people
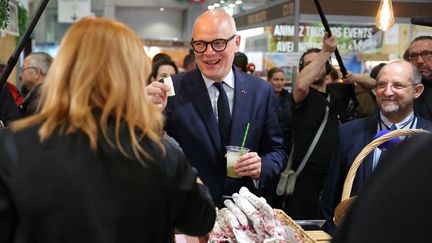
(107, 154)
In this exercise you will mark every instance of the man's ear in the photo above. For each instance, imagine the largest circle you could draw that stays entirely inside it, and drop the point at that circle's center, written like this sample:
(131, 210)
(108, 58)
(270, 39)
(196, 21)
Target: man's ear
(418, 90)
(237, 40)
(37, 73)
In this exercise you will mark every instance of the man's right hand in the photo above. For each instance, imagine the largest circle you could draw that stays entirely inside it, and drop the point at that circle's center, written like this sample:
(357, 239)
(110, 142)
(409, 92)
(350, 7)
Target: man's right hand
(157, 93)
(329, 43)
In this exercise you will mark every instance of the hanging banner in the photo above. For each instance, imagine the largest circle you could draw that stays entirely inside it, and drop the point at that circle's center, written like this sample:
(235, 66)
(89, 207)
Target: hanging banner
(70, 11)
(352, 39)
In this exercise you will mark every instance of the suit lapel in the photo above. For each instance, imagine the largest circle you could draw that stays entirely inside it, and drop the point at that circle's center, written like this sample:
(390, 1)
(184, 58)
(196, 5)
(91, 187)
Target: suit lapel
(201, 101)
(421, 123)
(241, 89)
(371, 130)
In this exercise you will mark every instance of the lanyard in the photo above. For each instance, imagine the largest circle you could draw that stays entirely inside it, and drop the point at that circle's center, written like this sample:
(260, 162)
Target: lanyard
(412, 122)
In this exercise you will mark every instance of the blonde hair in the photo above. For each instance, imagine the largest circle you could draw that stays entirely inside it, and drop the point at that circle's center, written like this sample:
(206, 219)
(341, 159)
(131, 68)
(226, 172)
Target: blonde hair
(101, 66)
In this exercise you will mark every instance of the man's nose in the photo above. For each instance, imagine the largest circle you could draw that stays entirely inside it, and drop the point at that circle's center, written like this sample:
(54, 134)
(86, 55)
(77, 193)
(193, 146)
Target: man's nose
(209, 50)
(388, 90)
(419, 59)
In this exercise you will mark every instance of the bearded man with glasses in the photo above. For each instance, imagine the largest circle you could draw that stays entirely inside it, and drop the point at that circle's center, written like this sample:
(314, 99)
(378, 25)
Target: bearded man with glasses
(212, 107)
(398, 86)
(419, 53)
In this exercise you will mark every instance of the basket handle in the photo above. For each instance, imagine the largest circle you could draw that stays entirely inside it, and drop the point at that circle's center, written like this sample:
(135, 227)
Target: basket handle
(369, 148)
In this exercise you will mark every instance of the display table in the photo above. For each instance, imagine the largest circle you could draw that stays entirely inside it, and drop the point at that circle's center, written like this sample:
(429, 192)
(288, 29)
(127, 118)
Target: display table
(318, 235)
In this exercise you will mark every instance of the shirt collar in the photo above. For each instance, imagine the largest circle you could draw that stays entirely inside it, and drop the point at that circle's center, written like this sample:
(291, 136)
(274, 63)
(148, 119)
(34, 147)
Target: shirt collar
(402, 123)
(229, 80)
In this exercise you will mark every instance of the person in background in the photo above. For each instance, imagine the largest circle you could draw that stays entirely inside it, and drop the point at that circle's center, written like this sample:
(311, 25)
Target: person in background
(160, 56)
(241, 61)
(308, 107)
(12, 88)
(91, 166)
(394, 204)
(276, 77)
(8, 109)
(213, 106)
(310, 97)
(32, 74)
(162, 69)
(419, 53)
(189, 63)
(365, 95)
(333, 76)
(398, 85)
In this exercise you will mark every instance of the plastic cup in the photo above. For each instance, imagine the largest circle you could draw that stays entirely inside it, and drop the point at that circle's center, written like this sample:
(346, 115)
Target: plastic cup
(233, 154)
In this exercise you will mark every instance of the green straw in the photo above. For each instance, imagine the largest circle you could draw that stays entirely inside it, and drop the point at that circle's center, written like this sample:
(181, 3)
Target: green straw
(244, 138)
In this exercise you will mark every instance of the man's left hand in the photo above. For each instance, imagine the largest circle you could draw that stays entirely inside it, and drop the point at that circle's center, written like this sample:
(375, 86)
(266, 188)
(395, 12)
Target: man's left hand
(249, 165)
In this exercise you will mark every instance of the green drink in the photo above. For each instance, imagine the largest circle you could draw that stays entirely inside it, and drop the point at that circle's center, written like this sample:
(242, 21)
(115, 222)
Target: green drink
(233, 154)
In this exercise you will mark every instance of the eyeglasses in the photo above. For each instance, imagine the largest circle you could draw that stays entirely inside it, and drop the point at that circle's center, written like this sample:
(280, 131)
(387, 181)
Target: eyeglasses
(424, 54)
(393, 86)
(22, 69)
(218, 45)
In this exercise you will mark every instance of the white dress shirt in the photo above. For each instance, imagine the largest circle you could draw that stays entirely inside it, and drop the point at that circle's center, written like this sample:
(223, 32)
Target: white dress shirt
(214, 92)
(407, 123)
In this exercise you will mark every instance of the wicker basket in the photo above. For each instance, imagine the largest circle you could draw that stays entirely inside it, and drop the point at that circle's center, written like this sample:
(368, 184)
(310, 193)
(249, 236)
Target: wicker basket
(305, 237)
(346, 200)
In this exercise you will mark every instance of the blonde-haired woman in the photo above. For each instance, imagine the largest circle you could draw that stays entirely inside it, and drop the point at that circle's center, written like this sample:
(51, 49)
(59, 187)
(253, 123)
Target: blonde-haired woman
(91, 165)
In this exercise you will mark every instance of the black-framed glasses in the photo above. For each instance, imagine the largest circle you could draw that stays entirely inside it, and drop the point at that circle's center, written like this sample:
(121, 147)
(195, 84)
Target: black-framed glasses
(424, 54)
(218, 45)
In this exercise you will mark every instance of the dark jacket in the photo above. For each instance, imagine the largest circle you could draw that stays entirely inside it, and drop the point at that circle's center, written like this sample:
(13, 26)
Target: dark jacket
(62, 191)
(191, 122)
(30, 103)
(423, 104)
(353, 137)
(8, 109)
(285, 117)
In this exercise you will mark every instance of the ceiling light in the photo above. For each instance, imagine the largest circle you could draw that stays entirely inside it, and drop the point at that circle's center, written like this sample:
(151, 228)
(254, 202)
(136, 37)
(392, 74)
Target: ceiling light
(385, 18)
(210, 7)
(238, 2)
(161, 9)
(231, 5)
(216, 5)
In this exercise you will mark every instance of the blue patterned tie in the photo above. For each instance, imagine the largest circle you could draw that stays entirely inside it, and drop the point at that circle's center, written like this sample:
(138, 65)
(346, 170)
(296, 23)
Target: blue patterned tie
(224, 117)
(393, 127)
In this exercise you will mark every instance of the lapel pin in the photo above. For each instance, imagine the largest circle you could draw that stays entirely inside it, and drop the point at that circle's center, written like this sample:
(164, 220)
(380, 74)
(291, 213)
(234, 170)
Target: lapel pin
(243, 91)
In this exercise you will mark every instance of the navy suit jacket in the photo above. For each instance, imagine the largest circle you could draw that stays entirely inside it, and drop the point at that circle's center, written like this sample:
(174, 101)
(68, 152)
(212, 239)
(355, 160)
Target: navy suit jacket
(191, 121)
(353, 137)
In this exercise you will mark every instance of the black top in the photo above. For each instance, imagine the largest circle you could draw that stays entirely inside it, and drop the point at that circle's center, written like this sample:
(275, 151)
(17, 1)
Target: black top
(29, 105)
(423, 104)
(307, 118)
(345, 101)
(62, 191)
(285, 117)
(8, 108)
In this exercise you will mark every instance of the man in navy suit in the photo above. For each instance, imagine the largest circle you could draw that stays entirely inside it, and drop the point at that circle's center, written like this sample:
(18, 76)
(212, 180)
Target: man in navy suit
(194, 115)
(398, 84)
